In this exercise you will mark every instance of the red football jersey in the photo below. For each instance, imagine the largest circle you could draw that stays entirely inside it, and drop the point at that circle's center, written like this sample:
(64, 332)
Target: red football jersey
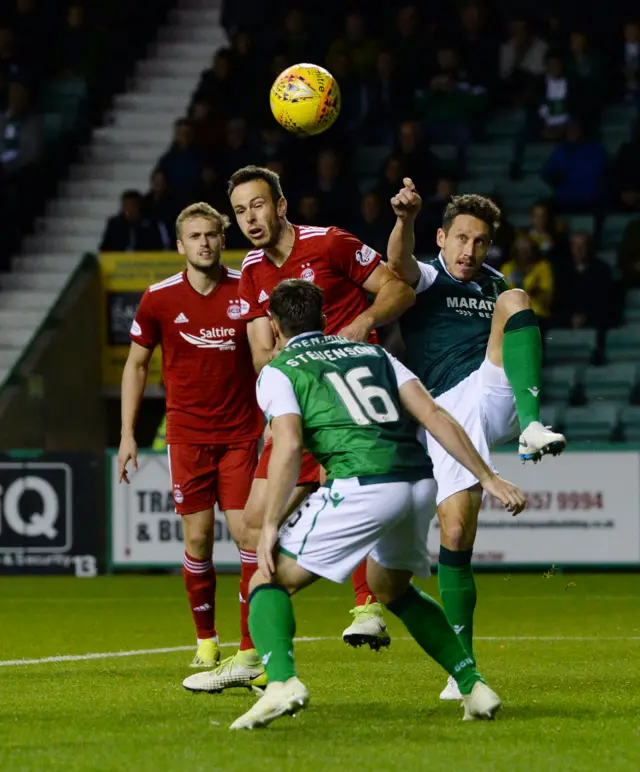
(206, 361)
(333, 259)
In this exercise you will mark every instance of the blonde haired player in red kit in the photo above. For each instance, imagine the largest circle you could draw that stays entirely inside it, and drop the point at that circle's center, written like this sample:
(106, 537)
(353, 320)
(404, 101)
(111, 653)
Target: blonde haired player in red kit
(347, 271)
(213, 420)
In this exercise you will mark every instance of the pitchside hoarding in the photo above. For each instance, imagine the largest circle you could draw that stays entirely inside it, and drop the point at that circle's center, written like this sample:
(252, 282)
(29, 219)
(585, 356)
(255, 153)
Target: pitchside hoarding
(584, 509)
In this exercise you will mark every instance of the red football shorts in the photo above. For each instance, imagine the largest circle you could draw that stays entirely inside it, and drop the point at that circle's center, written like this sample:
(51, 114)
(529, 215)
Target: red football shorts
(309, 469)
(203, 475)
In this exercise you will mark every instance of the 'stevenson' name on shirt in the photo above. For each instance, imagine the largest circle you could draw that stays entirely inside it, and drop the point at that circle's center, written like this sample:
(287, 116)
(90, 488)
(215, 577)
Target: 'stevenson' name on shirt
(330, 356)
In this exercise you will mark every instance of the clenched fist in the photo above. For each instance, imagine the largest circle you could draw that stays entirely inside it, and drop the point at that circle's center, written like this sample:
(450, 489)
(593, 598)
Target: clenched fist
(407, 203)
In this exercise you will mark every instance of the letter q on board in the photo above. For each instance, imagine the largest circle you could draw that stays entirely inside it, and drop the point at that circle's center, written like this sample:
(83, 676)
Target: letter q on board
(40, 523)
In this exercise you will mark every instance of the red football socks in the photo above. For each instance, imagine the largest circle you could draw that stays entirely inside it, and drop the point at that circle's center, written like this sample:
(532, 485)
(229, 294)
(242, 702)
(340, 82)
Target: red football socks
(360, 587)
(248, 567)
(200, 582)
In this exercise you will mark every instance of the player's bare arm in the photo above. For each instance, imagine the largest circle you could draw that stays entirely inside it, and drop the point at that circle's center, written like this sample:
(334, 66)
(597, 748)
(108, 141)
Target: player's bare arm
(134, 380)
(453, 438)
(262, 343)
(401, 246)
(392, 298)
(284, 468)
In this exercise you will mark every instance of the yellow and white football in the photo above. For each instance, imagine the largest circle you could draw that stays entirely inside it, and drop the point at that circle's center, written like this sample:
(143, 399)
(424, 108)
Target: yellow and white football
(305, 99)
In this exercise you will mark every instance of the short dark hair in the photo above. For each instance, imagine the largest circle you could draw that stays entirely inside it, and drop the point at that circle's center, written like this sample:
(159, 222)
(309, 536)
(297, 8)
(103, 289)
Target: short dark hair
(250, 173)
(296, 305)
(130, 194)
(476, 206)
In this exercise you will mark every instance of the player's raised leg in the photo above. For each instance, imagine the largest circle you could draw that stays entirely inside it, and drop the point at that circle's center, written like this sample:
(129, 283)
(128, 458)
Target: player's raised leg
(515, 345)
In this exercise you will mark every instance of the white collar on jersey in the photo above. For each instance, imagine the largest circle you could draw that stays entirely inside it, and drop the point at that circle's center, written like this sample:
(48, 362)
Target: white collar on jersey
(302, 335)
(473, 284)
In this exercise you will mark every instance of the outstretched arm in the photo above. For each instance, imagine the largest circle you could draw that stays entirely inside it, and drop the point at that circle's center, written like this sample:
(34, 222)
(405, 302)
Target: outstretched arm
(401, 245)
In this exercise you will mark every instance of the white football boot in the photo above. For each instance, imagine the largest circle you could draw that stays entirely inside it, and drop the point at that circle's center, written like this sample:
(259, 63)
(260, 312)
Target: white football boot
(451, 690)
(368, 627)
(244, 669)
(538, 440)
(481, 703)
(279, 699)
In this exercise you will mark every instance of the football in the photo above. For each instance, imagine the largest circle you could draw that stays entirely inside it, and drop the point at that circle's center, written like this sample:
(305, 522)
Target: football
(305, 99)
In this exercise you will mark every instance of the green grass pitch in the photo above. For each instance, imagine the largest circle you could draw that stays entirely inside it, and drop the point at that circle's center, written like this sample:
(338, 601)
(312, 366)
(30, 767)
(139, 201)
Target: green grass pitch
(563, 651)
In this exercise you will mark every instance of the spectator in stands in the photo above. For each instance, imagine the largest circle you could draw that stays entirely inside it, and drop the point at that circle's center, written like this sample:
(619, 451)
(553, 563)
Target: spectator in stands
(419, 162)
(217, 86)
(159, 205)
(627, 172)
(576, 171)
(309, 210)
(374, 222)
(75, 46)
(555, 32)
(430, 218)
(585, 287)
(212, 188)
(237, 150)
(31, 26)
(450, 108)
(391, 177)
(183, 161)
(408, 46)
(631, 61)
(131, 231)
(21, 139)
(544, 231)
(522, 59)
(553, 99)
(527, 269)
(360, 47)
(629, 255)
(477, 43)
(355, 95)
(503, 238)
(586, 76)
(9, 68)
(335, 189)
(390, 100)
(295, 40)
(208, 128)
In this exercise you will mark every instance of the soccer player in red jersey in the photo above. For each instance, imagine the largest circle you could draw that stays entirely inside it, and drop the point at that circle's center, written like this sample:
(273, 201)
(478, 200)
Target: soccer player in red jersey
(213, 420)
(347, 270)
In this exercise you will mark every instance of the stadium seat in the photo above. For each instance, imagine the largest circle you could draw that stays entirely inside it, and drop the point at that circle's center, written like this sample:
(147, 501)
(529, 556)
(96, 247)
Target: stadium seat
(580, 222)
(630, 421)
(489, 159)
(611, 382)
(535, 155)
(596, 422)
(633, 298)
(368, 161)
(445, 153)
(610, 257)
(559, 383)
(632, 315)
(623, 344)
(505, 123)
(566, 346)
(550, 415)
(613, 228)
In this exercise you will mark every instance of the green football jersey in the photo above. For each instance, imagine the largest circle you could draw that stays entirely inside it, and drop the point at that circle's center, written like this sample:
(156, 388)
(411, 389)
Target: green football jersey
(347, 395)
(447, 330)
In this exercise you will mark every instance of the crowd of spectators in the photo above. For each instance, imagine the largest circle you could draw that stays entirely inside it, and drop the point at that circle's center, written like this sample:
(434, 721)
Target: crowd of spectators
(413, 77)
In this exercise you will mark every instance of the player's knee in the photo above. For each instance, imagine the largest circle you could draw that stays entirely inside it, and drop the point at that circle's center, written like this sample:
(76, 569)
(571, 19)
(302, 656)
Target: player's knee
(512, 301)
(456, 536)
(198, 544)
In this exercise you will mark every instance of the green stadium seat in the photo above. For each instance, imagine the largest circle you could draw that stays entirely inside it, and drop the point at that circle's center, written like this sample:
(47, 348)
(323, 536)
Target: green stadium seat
(53, 126)
(611, 382)
(623, 344)
(596, 422)
(580, 222)
(535, 155)
(633, 298)
(559, 383)
(445, 153)
(483, 185)
(567, 346)
(368, 161)
(367, 184)
(613, 228)
(505, 124)
(610, 257)
(619, 115)
(630, 420)
(551, 415)
(632, 315)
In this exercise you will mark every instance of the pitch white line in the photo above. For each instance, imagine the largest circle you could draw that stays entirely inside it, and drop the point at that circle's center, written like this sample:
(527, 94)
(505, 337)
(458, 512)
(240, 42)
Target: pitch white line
(304, 639)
